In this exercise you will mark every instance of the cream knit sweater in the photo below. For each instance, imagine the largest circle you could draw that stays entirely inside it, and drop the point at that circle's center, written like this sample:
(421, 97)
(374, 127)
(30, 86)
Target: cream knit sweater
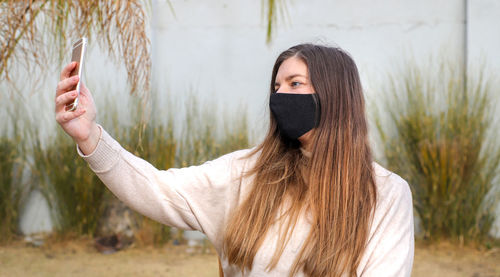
(202, 197)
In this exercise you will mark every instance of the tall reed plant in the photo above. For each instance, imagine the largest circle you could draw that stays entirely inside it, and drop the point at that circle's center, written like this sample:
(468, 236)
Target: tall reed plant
(154, 142)
(439, 132)
(12, 163)
(205, 137)
(11, 167)
(78, 198)
(200, 137)
(74, 192)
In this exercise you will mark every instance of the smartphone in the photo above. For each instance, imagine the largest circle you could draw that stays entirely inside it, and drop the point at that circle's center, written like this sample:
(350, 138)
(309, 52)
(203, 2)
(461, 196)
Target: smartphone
(78, 55)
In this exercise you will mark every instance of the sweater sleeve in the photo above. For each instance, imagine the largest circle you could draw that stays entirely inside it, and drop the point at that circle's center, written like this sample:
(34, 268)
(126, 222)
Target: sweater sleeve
(390, 247)
(192, 198)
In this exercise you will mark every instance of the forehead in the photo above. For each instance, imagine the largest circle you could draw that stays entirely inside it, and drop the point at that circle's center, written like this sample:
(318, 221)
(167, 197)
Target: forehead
(292, 66)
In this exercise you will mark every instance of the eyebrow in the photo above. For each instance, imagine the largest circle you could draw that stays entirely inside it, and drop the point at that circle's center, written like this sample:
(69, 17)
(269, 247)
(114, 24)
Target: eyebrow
(291, 77)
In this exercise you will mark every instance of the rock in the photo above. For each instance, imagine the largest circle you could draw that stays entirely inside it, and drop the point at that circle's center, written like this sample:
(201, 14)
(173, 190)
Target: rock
(35, 240)
(118, 224)
(111, 244)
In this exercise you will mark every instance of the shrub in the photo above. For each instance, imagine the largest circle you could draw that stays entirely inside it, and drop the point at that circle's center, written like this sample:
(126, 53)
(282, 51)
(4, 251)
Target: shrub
(76, 196)
(201, 139)
(442, 139)
(10, 187)
(155, 143)
(74, 192)
(12, 163)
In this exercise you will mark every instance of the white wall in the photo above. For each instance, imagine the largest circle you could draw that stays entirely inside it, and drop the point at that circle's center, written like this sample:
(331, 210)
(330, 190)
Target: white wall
(484, 33)
(217, 48)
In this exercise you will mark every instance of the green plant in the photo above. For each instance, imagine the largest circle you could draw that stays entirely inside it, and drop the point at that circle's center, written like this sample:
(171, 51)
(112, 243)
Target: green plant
(151, 232)
(155, 143)
(77, 197)
(442, 139)
(75, 193)
(10, 187)
(201, 139)
(12, 163)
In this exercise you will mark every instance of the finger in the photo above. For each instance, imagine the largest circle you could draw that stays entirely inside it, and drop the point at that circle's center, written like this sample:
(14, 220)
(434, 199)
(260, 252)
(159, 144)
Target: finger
(65, 116)
(66, 85)
(65, 98)
(67, 70)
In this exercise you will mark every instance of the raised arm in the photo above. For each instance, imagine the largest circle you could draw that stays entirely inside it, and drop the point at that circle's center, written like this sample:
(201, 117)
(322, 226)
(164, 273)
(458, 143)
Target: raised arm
(196, 197)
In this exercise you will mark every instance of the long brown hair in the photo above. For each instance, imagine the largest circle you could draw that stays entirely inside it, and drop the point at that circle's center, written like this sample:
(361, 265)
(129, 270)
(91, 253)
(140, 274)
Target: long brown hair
(334, 186)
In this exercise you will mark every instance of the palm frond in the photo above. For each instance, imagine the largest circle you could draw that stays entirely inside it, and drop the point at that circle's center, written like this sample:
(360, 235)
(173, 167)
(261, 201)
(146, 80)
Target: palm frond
(118, 26)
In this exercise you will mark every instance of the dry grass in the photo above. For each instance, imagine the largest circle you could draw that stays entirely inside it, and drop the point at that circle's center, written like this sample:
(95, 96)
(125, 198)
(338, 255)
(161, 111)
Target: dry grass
(79, 258)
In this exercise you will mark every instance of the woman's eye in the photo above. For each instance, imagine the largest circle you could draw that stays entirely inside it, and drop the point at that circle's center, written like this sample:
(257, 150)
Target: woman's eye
(295, 84)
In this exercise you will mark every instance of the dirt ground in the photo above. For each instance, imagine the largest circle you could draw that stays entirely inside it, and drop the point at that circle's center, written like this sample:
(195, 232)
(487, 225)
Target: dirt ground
(79, 258)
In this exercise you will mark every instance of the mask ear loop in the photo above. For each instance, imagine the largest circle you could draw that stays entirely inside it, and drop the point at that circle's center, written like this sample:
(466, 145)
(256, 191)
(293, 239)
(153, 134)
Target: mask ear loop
(317, 103)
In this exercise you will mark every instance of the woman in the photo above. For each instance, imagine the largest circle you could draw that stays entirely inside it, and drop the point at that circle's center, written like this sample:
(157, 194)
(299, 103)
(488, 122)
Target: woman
(308, 201)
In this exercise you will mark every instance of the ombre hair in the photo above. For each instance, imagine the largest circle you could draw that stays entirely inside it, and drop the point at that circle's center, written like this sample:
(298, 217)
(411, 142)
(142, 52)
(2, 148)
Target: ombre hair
(334, 186)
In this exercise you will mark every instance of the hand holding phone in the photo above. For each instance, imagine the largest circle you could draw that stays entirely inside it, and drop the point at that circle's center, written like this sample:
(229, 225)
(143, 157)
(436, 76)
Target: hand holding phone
(78, 56)
(79, 123)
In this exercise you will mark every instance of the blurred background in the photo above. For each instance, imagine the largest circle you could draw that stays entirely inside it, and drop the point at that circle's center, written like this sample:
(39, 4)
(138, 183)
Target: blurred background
(181, 82)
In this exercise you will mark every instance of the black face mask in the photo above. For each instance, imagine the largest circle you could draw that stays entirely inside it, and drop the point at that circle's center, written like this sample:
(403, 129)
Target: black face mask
(296, 114)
